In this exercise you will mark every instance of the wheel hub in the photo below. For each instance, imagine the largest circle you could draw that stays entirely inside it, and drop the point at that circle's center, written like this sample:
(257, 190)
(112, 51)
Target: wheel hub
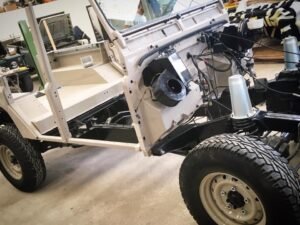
(13, 160)
(229, 200)
(236, 199)
(10, 163)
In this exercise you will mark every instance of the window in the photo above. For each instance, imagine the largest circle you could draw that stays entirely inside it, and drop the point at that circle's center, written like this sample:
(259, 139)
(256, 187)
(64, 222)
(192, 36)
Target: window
(132, 13)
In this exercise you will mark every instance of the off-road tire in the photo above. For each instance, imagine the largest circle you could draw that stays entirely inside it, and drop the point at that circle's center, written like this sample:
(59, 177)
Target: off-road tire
(255, 163)
(32, 165)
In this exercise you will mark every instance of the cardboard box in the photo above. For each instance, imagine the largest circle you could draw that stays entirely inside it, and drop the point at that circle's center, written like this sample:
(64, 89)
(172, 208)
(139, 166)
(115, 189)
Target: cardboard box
(10, 7)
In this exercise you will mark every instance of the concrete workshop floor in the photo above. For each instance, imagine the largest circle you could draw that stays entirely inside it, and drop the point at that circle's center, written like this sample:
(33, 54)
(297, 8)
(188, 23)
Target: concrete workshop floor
(103, 186)
(99, 186)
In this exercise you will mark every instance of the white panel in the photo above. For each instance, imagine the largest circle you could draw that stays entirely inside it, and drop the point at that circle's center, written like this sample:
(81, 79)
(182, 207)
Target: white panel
(77, 100)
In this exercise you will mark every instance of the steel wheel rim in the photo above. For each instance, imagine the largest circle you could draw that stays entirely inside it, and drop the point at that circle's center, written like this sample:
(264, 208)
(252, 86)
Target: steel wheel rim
(228, 200)
(10, 163)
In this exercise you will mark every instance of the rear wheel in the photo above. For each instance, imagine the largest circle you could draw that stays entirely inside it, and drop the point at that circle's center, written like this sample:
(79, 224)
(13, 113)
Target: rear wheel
(20, 163)
(234, 180)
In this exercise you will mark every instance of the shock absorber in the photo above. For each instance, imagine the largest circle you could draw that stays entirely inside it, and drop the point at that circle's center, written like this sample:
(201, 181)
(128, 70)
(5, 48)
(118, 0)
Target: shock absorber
(242, 110)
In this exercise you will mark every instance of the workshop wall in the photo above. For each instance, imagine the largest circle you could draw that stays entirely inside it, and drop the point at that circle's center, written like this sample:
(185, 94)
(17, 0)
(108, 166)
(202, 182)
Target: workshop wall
(78, 12)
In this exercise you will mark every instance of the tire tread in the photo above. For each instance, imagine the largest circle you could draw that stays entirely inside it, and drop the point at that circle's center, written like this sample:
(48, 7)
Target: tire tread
(270, 163)
(31, 159)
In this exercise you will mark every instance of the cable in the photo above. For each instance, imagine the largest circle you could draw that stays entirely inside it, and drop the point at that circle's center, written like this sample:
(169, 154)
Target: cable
(230, 51)
(141, 99)
(233, 54)
(238, 61)
(255, 42)
(218, 69)
(214, 73)
(254, 78)
(224, 106)
(211, 91)
(276, 91)
(219, 87)
(206, 78)
(200, 72)
(258, 43)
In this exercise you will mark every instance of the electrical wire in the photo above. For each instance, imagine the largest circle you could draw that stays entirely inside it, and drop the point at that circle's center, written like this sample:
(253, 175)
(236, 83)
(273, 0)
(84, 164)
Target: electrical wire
(211, 53)
(217, 87)
(213, 67)
(201, 75)
(273, 90)
(224, 106)
(230, 51)
(141, 99)
(251, 75)
(205, 77)
(237, 57)
(260, 44)
(215, 76)
(234, 55)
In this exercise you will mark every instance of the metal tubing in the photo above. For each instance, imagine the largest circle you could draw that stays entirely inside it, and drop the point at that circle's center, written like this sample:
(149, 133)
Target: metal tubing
(47, 77)
(92, 143)
(105, 144)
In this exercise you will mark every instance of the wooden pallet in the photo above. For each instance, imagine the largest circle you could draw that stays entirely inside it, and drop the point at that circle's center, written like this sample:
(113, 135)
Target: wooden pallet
(253, 2)
(263, 54)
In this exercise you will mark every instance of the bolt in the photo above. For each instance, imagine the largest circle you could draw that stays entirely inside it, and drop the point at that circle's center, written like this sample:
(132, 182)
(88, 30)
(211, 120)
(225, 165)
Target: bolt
(223, 193)
(246, 201)
(233, 189)
(228, 206)
(244, 212)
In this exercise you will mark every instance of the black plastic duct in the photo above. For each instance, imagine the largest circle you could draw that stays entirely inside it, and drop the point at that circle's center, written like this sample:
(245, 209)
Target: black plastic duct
(168, 89)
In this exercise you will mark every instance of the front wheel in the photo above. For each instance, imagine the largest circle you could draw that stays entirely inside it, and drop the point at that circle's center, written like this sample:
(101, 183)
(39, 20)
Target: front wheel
(235, 180)
(20, 163)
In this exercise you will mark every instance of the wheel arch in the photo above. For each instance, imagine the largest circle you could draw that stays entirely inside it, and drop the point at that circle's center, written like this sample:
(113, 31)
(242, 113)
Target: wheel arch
(5, 117)
(10, 117)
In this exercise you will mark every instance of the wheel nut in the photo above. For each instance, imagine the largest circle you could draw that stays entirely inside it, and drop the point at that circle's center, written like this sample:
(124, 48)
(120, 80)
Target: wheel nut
(228, 206)
(244, 212)
(233, 189)
(246, 201)
(223, 193)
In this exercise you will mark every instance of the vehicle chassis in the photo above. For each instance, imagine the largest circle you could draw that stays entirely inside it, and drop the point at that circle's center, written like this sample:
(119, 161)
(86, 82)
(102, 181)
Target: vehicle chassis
(119, 122)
